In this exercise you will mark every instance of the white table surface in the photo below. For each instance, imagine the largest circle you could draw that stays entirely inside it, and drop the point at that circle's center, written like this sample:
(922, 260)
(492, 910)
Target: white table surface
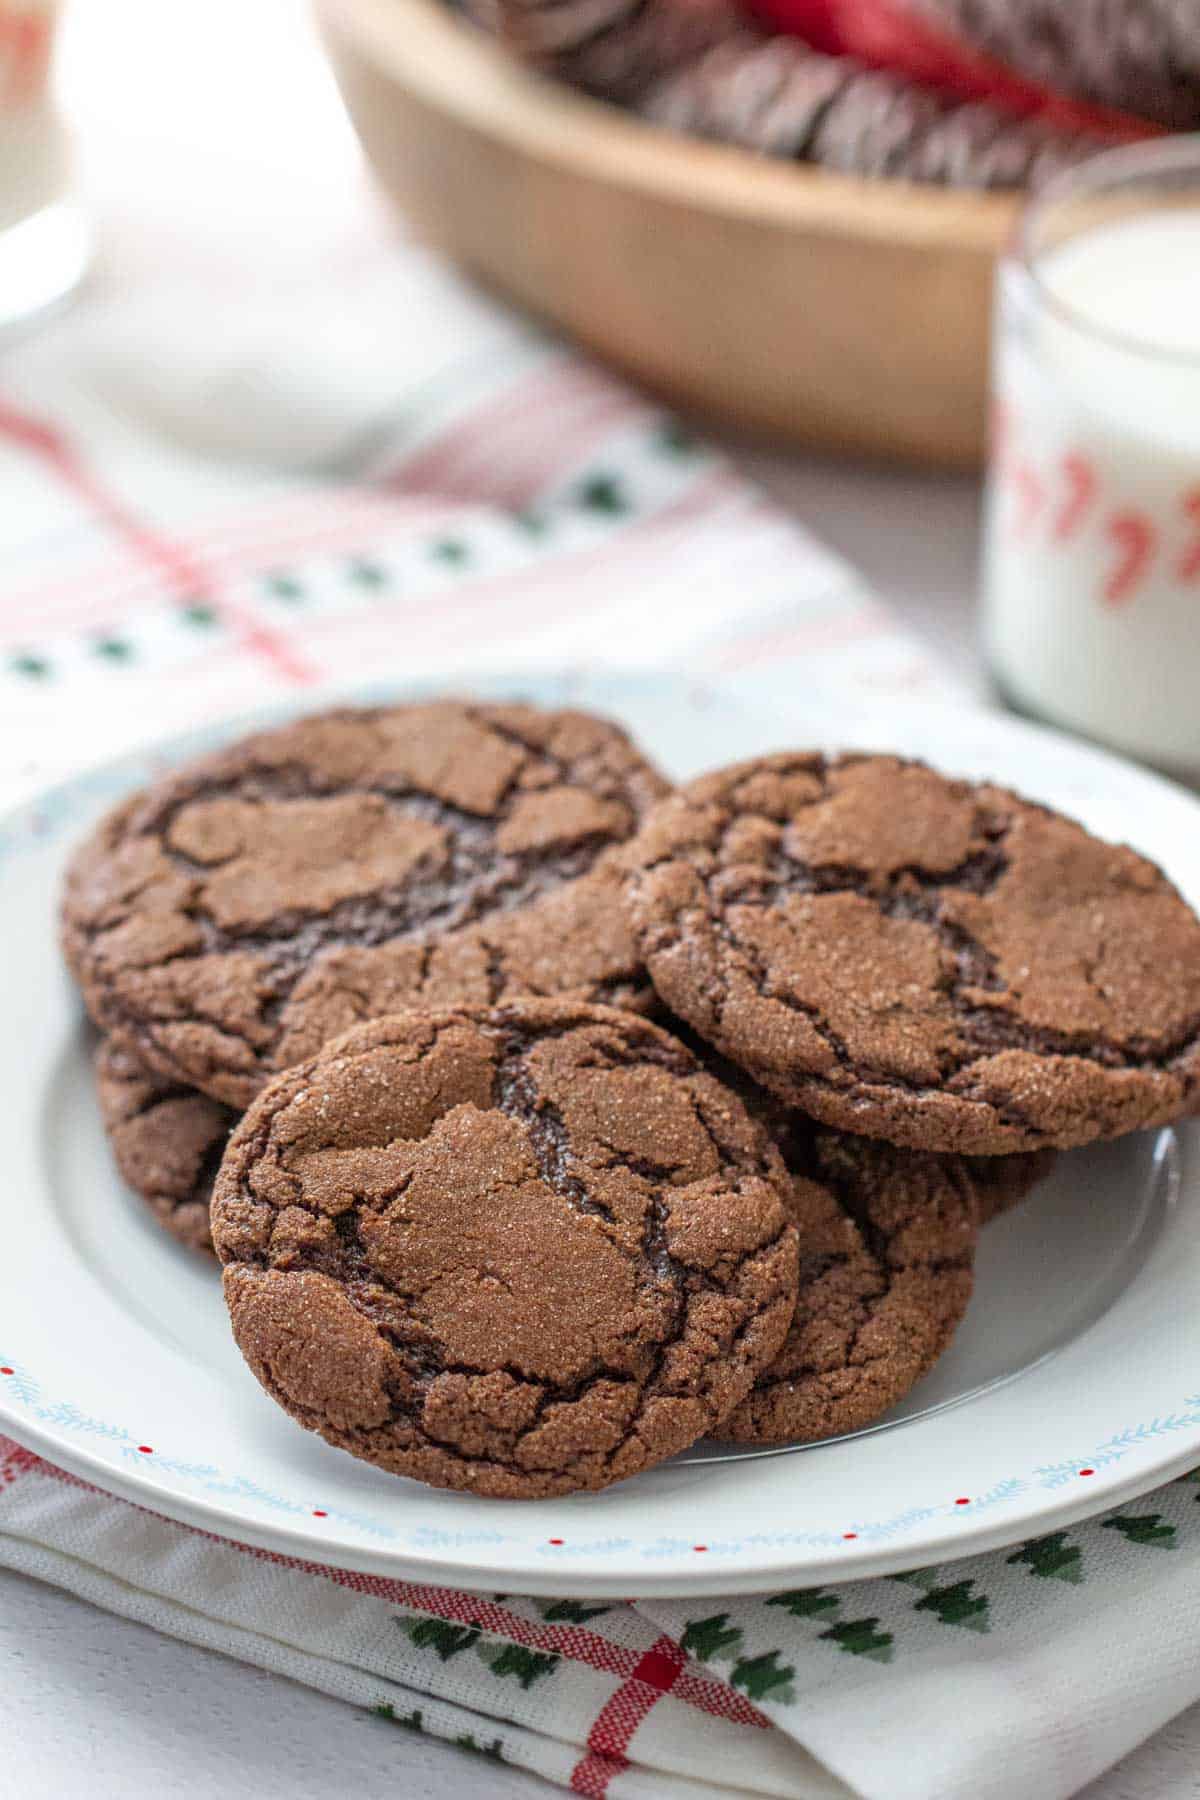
(94, 1705)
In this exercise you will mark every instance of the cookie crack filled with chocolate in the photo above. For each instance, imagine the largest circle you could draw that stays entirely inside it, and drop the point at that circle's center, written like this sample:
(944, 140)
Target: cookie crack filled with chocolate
(227, 921)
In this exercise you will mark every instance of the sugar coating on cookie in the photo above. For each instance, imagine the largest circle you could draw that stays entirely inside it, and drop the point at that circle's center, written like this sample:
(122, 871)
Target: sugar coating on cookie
(519, 1251)
(942, 965)
(226, 921)
(167, 1142)
(887, 1246)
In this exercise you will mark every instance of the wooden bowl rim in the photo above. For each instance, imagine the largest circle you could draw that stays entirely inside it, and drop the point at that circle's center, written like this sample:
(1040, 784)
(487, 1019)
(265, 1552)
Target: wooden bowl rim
(449, 65)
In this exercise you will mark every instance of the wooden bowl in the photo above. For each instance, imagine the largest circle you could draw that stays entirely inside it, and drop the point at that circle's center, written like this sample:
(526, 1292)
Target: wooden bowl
(788, 302)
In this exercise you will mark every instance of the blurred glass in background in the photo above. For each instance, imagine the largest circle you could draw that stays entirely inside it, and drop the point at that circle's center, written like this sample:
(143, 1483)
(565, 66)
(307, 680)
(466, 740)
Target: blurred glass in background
(1092, 551)
(43, 237)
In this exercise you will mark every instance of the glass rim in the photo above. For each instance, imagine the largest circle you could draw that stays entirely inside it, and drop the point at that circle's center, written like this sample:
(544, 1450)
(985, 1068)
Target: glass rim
(1107, 169)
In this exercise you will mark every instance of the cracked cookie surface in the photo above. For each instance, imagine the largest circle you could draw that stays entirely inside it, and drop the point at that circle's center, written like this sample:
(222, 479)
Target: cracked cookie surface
(940, 964)
(167, 1142)
(519, 1251)
(228, 920)
(887, 1249)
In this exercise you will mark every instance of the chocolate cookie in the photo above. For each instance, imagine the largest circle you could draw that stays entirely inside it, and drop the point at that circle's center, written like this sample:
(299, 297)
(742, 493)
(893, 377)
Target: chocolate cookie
(1002, 1182)
(942, 965)
(887, 1246)
(519, 1251)
(222, 921)
(1142, 56)
(574, 941)
(612, 49)
(167, 1142)
(776, 95)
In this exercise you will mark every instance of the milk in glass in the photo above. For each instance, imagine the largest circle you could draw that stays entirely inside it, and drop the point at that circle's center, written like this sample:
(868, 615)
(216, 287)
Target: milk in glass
(43, 240)
(1092, 544)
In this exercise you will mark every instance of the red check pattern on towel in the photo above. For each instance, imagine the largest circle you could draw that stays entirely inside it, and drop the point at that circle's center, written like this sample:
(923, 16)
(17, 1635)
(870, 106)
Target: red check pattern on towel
(1067, 1650)
(575, 1684)
(481, 498)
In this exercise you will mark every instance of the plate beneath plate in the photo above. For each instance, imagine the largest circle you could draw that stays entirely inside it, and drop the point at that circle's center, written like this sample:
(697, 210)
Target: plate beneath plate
(1073, 1383)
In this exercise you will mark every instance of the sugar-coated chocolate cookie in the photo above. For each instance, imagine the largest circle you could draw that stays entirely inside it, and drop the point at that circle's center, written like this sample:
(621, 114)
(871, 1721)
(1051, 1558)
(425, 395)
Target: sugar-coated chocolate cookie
(887, 1247)
(221, 922)
(518, 1251)
(778, 96)
(942, 965)
(1002, 1182)
(574, 940)
(613, 49)
(1141, 56)
(167, 1142)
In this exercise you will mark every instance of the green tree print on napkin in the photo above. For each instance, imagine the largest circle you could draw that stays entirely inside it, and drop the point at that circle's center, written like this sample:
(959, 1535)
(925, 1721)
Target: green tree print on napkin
(955, 1603)
(806, 1603)
(858, 1637)
(569, 1612)
(284, 586)
(603, 494)
(448, 1640)
(24, 662)
(763, 1677)
(708, 1639)
(526, 1666)
(439, 1634)
(1051, 1557)
(1143, 1528)
(409, 1721)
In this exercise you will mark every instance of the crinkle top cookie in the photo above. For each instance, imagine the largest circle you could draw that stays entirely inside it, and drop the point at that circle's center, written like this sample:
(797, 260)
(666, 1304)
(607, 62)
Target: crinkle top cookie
(519, 1251)
(228, 919)
(943, 965)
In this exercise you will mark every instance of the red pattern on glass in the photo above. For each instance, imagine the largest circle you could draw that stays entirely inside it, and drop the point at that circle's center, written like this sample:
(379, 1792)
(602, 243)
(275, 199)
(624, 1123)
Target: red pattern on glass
(1135, 540)
(1189, 563)
(1081, 481)
(25, 42)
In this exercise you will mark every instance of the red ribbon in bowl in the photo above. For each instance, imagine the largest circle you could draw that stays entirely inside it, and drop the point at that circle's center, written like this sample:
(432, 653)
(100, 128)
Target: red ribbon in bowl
(891, 34)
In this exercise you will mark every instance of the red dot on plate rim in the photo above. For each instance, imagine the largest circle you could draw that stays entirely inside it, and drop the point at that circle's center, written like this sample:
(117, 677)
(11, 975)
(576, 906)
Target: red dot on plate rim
(849, 1534)
(1087, 1471)
(319, 1512)
(554, 1540)
(146, 1449)
(962, 1500)
(7, 1371)
(699, 1548)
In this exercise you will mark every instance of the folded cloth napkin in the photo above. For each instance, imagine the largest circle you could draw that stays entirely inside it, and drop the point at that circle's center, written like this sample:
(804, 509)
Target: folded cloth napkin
(387, 475)
(1025, 1672)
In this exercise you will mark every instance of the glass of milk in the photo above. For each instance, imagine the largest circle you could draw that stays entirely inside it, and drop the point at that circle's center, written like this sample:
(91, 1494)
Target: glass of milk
(43, 239)
(1091, 571)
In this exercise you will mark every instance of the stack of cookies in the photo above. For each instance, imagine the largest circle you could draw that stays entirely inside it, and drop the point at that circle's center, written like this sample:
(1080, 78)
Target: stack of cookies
(960, 93)
(545, 1120)
(707, 68)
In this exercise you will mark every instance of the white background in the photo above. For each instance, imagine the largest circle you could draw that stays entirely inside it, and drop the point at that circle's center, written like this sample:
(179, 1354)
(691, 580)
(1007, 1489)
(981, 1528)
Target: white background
(210, 139)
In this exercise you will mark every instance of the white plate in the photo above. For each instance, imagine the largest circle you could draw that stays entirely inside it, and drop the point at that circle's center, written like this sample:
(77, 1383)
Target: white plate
(1074, 1382)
